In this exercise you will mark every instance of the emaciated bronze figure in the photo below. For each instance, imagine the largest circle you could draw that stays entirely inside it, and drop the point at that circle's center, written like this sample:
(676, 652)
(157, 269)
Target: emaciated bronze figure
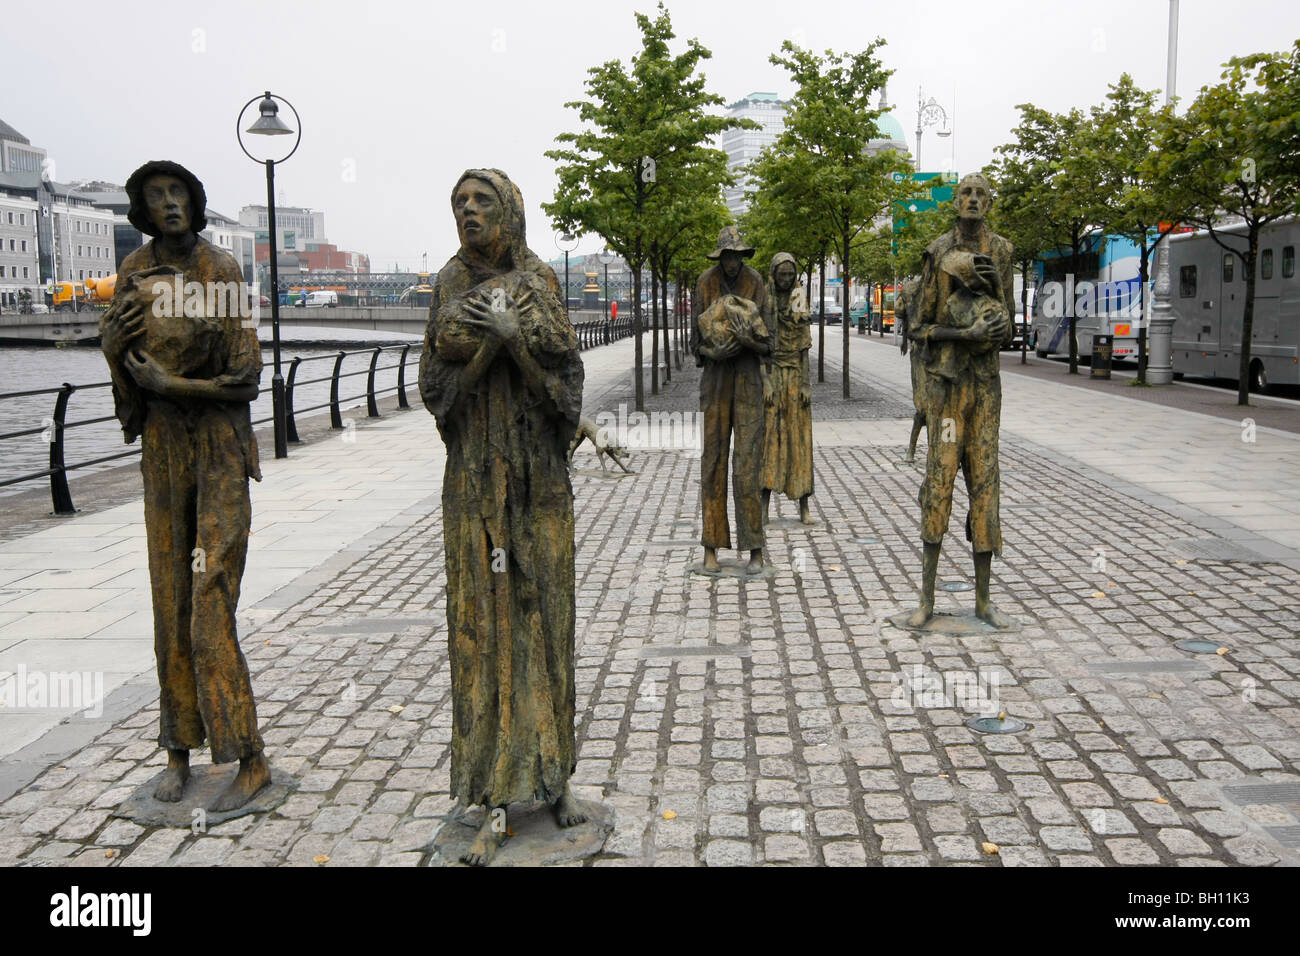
(729, 338)
(787, 392)
(962, 319)
(502, 374)
(189, 403)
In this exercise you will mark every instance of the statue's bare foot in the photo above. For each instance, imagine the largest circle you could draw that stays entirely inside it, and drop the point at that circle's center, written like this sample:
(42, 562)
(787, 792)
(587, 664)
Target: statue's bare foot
(486, 841)
(755, 565)
(918, 617)
(254, 774)
(711, 561)
(568, 811)
(991, 615)
(172, 784)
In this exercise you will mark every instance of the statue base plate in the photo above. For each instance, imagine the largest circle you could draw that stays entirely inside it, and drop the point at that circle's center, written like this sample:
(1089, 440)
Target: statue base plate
(735, 569)
(954, 623)
(206, 781)
(537, 841)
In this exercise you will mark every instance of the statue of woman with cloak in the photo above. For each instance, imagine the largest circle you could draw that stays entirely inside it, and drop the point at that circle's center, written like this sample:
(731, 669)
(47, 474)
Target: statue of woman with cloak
(502, 375)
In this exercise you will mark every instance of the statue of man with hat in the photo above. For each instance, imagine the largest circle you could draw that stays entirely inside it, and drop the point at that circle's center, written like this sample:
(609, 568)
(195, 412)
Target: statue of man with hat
(729, 336)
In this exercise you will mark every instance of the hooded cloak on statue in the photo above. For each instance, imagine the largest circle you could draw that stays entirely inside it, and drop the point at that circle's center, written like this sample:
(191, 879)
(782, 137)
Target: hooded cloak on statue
(507, 518)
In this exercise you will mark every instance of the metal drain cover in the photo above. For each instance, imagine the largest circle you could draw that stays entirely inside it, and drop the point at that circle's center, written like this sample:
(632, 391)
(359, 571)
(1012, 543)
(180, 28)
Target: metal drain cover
(1216, 550)
(956, 586)
(1198, 646)
(1244, 794)
(991, 725)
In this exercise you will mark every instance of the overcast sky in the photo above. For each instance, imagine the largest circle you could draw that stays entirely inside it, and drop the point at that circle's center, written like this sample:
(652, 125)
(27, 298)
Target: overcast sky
(408, 95)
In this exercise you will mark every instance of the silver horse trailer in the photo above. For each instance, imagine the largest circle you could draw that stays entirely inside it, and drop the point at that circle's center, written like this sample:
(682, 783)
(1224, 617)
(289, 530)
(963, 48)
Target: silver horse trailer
(1208, 294)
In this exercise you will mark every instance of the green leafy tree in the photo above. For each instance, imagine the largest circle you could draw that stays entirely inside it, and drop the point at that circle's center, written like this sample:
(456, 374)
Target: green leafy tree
(1126, 128)
(784, 215)
(1234, 155)
(829, 125)
(1052, 169)
(1019, 223)
(690, 215)
(643, 129)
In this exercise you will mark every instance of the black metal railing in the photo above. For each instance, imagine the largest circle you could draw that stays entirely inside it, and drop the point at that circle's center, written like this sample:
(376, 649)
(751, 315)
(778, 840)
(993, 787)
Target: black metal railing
(53, 429)
(602, 332)
(371, 394)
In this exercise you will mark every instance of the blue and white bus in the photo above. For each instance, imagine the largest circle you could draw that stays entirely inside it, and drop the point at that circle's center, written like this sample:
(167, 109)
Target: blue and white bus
(1103, 294)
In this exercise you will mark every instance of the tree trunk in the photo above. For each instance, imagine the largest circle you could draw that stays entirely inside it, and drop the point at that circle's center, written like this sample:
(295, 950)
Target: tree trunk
(654, 328)
(846, 283)
(668, 353)
(821, 321)
(639, 385)
(1247, 317)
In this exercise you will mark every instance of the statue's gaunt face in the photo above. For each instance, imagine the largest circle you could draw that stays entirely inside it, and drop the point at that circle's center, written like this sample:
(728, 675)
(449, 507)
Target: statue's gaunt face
(731, 263)
(168, 201)
(973, 199)
(478, 213)
(784, 277)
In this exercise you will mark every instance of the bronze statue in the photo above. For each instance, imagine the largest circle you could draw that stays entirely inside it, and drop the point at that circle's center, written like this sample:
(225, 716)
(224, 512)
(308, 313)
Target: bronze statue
(962, 319)
(185, 390)
(787, 392)
(502, 374)
(903, 308)
(729, 337)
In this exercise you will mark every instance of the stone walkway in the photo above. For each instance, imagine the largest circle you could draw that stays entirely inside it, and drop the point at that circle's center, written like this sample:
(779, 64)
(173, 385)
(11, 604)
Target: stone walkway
(773, 721)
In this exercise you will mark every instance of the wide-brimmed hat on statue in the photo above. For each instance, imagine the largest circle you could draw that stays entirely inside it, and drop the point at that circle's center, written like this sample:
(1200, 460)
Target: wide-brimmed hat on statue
(729, 241)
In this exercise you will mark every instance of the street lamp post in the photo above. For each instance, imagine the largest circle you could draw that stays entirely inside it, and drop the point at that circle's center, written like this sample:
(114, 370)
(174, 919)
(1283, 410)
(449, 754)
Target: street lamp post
(1160, 355)
(270, 124)
(567, 242)
(928, 113)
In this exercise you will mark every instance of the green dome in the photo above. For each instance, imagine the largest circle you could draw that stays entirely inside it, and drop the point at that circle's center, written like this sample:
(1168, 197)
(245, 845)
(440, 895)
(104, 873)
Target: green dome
(890, 129)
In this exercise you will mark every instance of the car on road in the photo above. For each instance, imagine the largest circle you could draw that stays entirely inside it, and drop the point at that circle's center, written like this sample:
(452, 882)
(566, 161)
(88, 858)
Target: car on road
(857, 311)
(834, 314)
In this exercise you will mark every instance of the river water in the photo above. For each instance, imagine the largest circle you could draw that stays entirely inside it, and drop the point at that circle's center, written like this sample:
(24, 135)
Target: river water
(27, 368)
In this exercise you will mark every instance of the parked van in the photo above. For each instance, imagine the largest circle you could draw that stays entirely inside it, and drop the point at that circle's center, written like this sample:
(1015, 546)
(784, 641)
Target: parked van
(324, 298)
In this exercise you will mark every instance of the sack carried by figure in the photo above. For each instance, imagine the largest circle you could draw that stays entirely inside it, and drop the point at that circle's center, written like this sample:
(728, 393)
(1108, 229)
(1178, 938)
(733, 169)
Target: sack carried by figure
(718, 322)
(182, 344)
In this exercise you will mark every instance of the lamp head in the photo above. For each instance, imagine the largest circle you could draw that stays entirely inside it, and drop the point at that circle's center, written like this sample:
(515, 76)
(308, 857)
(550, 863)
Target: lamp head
(269, 123)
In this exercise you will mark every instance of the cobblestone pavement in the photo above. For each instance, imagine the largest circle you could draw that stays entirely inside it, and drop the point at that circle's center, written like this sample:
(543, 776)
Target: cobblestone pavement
(783, 721)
